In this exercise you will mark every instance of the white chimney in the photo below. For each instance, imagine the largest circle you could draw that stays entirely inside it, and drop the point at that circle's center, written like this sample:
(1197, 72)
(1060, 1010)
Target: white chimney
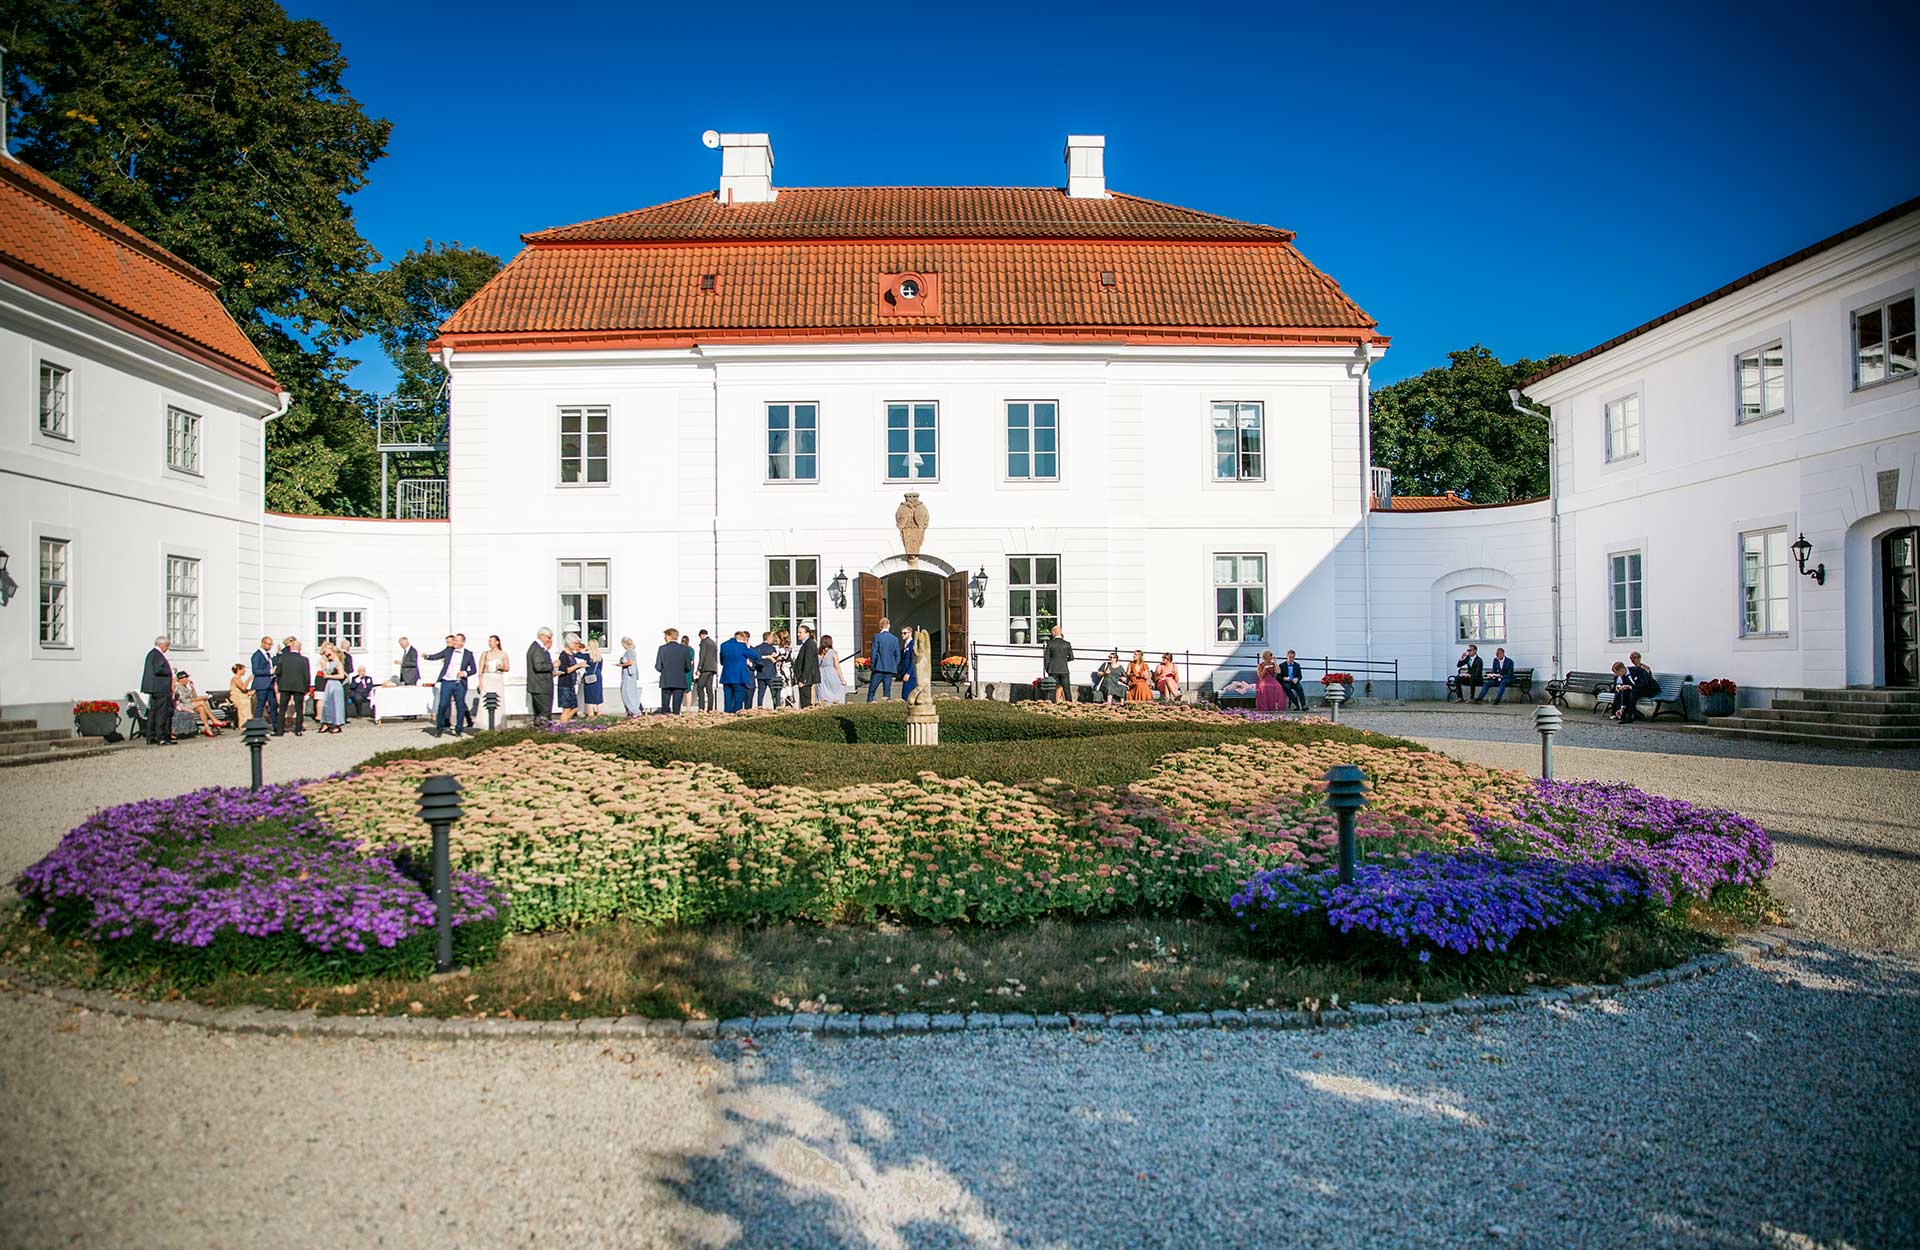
(746, 167)
(1087, 167)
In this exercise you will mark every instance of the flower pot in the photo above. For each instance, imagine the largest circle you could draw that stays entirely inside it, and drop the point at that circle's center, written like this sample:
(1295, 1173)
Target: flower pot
(1716, 705)
(96, 724)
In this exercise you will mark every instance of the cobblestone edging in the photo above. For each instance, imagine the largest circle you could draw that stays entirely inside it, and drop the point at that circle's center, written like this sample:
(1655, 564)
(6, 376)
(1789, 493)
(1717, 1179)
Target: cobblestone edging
(1768, 941)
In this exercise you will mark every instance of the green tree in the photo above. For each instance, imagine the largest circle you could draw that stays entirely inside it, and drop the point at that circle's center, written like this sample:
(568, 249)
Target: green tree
(222, 130)
(1454, 429)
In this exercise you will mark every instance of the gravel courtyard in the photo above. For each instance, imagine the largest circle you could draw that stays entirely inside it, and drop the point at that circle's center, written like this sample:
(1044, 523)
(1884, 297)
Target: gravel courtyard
(1772, 1106)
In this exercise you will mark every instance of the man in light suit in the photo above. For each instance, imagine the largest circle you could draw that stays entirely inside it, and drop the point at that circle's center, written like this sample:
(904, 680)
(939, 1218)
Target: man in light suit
(737, 659)
(1290, 681)
(806, 666)
(450, 687)
(260, 668)
(156, 682)
(672, 661)
(884, 663)
(540, 675)
(709, 668)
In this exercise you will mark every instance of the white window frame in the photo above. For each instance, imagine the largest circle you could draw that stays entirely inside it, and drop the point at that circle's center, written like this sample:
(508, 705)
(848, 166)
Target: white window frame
(338, 629)
(62, 376)
(1032, 619)
(586, 459)
(580, 622)
(185, 605)
(70, 442)
(1240, 453)
(1759, 351)
(1639, 635)
(791, 592)
(65, 583)
(1776, 583)
(793, 453)
(1639, 427)
(1008, 451)
(886, 429)
(1480, 611)
(1882, 306)
(193, 435)
(1240, 585)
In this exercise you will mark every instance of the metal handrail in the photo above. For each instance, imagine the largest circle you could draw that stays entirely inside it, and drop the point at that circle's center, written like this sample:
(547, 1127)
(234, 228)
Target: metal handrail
(1362, 670)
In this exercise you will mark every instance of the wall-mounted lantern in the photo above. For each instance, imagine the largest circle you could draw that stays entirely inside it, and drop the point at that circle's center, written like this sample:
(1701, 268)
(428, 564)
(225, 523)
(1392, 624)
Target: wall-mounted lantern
(1801, 550)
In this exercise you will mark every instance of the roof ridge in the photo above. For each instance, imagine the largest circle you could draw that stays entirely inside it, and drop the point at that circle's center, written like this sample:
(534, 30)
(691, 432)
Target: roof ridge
(46, 188)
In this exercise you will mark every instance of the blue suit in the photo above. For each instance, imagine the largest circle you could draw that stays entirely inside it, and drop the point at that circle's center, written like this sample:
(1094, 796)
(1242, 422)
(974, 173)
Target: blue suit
(886, 662)
(456, 666)
(908, 678)
(1499, 676)
(264, 704)
(736, 673)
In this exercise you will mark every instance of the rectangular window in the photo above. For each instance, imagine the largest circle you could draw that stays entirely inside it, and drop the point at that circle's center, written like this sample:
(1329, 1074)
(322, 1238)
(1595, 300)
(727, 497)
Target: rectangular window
(1623, 428)
(1033, 441)
(56, 401)
(56, 589)
(793, 593)
(913, 442)
(1763, 382)
(183, 441)
(345, 627)
(793, 442)
(1883, 342)
(1481, 620)
(1623, 596)
(1763, 583)
(1239, 598)
(1239, 449)
(586, 599)
(183, 602)
(1033, 597)
(583, 446)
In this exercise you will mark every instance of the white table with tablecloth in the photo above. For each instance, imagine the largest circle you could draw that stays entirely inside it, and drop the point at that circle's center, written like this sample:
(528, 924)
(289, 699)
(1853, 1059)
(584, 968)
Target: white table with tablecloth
(395, 701)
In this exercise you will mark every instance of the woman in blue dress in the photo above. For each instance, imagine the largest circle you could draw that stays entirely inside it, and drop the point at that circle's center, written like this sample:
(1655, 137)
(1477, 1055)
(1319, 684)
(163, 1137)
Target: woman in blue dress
(565, 666)
(591, 673)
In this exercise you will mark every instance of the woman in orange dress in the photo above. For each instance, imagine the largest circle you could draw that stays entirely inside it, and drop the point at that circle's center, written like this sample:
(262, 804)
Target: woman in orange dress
(1139, 680)
(1166, 677)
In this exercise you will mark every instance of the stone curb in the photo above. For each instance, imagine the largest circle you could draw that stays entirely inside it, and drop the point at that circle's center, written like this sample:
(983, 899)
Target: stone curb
(1759, 944)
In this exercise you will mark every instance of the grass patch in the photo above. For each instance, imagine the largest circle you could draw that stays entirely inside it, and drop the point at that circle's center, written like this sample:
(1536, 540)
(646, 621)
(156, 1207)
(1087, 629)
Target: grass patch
(1121, 964)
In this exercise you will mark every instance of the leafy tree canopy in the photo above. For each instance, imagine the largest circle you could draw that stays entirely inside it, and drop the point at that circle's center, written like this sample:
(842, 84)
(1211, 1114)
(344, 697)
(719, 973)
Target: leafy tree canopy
(419, 292)
(222, 130)
(1454, 429)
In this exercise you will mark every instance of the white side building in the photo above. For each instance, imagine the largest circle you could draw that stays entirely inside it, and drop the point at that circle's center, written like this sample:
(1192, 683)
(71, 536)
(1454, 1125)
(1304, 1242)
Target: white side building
(132, 410)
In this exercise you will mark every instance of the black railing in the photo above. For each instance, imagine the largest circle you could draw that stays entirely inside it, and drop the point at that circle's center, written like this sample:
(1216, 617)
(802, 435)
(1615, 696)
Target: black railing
(1311, 666)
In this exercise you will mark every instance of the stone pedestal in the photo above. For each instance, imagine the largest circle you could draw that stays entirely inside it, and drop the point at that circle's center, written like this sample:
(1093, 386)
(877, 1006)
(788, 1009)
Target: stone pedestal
(923, 727)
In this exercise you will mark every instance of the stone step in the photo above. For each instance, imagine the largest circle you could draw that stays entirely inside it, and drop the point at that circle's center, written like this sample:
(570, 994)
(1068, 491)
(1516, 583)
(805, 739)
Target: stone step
(1864, 694)
(1864, 733)
(1839, 716)
(19, 724)
(1811, 737)
(33, 735)
(70, 749)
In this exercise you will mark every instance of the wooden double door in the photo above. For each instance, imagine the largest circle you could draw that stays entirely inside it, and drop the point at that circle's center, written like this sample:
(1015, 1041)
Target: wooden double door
(940, 608)
(1900, 606)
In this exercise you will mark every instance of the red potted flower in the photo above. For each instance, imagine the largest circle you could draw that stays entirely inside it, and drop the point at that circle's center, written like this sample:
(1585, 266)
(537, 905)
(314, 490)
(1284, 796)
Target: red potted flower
(96, 718)
(1718, 697)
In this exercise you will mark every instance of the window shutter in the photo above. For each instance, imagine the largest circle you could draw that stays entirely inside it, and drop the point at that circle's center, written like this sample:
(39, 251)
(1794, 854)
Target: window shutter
(867, 592)
(956, 640)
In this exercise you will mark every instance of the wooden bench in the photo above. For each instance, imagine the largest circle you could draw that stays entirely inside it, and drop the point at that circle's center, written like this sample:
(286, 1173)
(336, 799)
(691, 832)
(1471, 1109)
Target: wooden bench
(1599, 687)
(1522, 681)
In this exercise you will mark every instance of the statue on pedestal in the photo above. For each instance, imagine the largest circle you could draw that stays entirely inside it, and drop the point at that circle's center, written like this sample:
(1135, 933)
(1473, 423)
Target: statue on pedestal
(910, 518)
(923, 719)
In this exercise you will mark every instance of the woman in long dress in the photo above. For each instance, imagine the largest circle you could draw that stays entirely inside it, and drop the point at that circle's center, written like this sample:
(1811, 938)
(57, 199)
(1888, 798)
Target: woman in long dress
(333, 690)
(833, 687)
(1110, 679)
(1268, 694)
(1166, 677)
(240, 694)
(782, 665)
(1139, 679)
(493, 672)
(591, 680)
(629, 678)
(566, 666)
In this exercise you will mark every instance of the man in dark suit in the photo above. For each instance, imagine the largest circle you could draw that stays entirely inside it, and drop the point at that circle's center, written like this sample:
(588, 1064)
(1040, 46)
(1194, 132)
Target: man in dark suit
(156, 682)
(1291, 680)
(884, 662)
(672, 661)
(540, 675)
(736, 671)
(1467, 672)
(450, 687)
(1056, 663)
(1640, 684)
(1499, 676)
(260, 668)
(409, 664)
(292, 678)
(709, 667)
(765, 669)
(806, 666)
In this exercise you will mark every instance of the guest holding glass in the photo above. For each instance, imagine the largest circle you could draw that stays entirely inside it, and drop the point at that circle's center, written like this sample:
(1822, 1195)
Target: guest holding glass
(592, 684)
(567, 663)
(1166, 677)
(1139, 679)
(333, 690)
(1268, 694)
(630, 678)
(494, 666)
(187, 697)
(833, 686)
(1110, 679)
(240, 694)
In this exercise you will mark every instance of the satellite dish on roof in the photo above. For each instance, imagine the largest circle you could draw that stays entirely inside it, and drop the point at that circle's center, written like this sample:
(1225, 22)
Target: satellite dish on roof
(711, 138)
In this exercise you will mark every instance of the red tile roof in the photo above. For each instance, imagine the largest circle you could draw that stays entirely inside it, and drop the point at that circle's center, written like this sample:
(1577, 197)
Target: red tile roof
(910, 213)
(57, 244)
(1765, 271)
(1448, 502)
(1013, 263)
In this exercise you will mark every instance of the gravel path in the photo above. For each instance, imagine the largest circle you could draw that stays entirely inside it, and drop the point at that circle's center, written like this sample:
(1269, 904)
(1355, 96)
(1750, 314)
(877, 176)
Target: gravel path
(1765, 1107)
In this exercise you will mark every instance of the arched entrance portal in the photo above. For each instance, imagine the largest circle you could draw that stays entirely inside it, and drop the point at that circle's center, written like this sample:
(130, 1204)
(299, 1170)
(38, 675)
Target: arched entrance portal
(927, 594)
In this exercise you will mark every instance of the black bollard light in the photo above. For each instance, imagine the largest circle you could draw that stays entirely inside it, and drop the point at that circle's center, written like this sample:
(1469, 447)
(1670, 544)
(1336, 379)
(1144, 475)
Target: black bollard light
(1346, 795)
(1546, 719)
(440, 807)
(492, 700)
(254, 734)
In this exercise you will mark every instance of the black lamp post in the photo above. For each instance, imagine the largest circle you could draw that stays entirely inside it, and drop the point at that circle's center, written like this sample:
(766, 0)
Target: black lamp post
(492, 699)
(977, 588)
(837, 589)
(254, 734)
(1346, 795)
(1801, 550)
(440, 807)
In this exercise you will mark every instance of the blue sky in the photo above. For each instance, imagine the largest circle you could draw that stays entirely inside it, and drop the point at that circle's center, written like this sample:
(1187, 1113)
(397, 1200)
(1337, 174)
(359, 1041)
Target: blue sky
(1534, 181)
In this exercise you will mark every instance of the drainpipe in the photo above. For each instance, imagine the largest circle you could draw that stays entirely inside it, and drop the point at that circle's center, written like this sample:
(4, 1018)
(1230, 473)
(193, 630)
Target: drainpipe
(446, 367)
(1363, 355)
(1553, 510)
(260, 527)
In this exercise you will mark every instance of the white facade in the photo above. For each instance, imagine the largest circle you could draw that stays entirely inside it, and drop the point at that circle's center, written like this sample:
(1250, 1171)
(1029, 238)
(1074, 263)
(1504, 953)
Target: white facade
(112, 512)
(1821, 454)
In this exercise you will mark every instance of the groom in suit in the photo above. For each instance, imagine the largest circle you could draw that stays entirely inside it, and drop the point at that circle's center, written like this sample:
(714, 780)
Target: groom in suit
(1290, 682)
(456, 665)
(260, 668)
(806, 666)
(156, 682)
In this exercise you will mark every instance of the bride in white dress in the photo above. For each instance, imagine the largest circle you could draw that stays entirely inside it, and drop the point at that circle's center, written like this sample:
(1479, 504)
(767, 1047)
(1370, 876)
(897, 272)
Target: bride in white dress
(833, 688)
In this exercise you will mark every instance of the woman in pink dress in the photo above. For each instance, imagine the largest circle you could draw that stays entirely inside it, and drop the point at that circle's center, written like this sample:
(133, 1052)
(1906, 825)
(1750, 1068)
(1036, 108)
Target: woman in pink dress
(1166, 678)
(1268, 694)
